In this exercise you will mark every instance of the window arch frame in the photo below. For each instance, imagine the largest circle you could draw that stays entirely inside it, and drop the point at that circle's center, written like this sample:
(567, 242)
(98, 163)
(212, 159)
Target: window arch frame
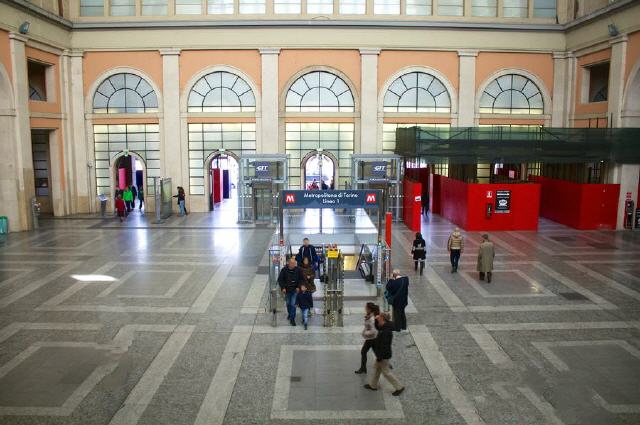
(186, 90)
(107, 76)
(534, 79)
(333, 72)
(202, 76)
(444, 80)
(416, 106)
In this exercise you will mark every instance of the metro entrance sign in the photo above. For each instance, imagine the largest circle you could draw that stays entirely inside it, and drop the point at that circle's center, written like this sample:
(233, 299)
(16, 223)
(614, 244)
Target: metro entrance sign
(331, 199)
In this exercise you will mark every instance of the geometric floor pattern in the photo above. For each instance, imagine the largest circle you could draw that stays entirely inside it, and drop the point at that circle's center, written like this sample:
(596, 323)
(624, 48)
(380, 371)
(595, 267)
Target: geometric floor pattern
(102, 323)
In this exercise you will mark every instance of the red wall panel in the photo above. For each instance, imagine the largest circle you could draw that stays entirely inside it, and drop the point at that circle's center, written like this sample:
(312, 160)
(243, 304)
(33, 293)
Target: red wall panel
(453, 201)
(217, 184)
(412, 208)
(465, 205)
(523, 215)
(581, 206)
(434, 193)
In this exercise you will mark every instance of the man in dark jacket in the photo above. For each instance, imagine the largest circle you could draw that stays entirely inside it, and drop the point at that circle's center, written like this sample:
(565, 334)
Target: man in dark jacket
(397, 294)
(309, 251)
(382, 350)
(289, 280)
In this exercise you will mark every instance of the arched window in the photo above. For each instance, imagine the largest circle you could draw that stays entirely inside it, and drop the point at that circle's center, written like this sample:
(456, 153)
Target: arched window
(221, 92)
(124, 93)
(417, 92)
(511, 94)
(319, 91)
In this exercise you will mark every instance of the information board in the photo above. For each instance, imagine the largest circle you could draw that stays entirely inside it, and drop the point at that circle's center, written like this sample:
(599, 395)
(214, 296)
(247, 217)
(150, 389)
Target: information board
(503, 201)
(331, 198)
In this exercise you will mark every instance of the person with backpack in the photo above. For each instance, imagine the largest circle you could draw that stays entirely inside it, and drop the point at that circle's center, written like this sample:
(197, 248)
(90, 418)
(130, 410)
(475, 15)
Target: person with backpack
(419, 252)
(397, 294)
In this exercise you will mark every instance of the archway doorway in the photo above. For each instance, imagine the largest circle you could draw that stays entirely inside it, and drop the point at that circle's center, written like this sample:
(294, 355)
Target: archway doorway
(222, 183)
(319, 172)
(129, 171)
(631, 110)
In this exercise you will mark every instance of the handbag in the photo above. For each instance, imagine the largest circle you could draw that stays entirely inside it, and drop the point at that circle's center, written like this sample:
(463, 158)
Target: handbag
(388, 296)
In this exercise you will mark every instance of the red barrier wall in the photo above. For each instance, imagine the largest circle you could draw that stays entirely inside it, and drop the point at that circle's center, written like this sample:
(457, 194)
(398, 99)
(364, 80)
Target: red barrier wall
(412, 204)
(217, 184)
(581, 206)
(434, 193)
(420, 175)
(465, 205)
(453, 201)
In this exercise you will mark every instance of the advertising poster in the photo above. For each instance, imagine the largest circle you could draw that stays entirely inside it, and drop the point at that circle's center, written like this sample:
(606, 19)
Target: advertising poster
(503, 201)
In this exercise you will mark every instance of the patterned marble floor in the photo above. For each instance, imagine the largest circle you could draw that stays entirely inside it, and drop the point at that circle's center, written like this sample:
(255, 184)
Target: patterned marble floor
(142, 323)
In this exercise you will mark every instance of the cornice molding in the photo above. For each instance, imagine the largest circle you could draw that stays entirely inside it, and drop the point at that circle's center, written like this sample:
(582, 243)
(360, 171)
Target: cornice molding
(269, 51)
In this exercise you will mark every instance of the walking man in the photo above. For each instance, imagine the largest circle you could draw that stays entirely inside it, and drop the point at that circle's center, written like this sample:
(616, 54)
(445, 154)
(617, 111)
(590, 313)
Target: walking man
(289, 280)
(455, 246)
(397, 294)
(486, 254)
(382, 350)
(307, 251)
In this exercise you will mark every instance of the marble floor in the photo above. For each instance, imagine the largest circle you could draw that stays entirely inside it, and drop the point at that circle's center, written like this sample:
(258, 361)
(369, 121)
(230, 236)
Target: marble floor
(145, 323)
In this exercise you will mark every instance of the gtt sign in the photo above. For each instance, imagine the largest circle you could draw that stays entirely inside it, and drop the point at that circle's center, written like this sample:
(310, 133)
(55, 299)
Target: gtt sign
(262, 168)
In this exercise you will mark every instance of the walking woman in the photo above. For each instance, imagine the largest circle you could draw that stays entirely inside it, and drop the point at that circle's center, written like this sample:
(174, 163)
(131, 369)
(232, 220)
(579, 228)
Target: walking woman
(308, 274)
(369, 334)
(181, 199)
(419, 251)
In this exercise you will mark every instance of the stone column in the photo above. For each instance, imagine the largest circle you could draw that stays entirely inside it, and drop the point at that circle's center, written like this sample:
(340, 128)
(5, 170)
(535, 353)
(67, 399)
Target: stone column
(268, 137)
(616, 79)
(82, 167)
(369, 140)
(563, 89)
(466, 89)
(173, 158)
(628, 176)
(24, 188)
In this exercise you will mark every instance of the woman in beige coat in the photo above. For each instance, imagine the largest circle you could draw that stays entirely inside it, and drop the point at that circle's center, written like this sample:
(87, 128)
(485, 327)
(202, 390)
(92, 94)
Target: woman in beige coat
(486, 253)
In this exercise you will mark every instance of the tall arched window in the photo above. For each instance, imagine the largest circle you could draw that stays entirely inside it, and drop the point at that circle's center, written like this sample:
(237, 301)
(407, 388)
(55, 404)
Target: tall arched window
(319, 91)
(512, 94)
(221, 92)
(417, 92)
(124, 93)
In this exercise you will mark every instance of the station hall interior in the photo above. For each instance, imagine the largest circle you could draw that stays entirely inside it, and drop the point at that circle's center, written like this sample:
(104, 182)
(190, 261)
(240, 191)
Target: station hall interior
(163, 162)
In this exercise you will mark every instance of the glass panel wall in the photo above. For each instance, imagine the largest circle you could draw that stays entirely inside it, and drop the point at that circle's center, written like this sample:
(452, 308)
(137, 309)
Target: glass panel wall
(515, 8)
(286, 6)
(451, 7)
(188, 7)
(419, 7)
(252, 6)
(335, 138)
(484, 8)
(204, 139)
(91, 7)
(154, 7)
(122, 7)
(320, 7)
(386, 7)
(353, 7)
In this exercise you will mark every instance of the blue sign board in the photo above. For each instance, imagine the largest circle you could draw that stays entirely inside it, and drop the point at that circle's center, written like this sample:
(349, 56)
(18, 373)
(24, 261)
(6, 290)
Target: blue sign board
(262, 170)
(378, 170)
(331, 198)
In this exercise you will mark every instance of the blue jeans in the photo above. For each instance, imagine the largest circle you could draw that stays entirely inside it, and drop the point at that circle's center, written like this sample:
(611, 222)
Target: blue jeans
(455, 257)
(290, 299)
(305, 316)
(181, 206)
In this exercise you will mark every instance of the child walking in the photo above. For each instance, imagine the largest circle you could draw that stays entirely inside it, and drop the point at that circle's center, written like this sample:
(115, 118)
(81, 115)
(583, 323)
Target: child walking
(120, 207)
(305, 302)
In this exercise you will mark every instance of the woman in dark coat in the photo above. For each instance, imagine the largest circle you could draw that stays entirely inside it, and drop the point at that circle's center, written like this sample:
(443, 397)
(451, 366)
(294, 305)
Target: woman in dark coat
(308, 274)
(419, 251)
